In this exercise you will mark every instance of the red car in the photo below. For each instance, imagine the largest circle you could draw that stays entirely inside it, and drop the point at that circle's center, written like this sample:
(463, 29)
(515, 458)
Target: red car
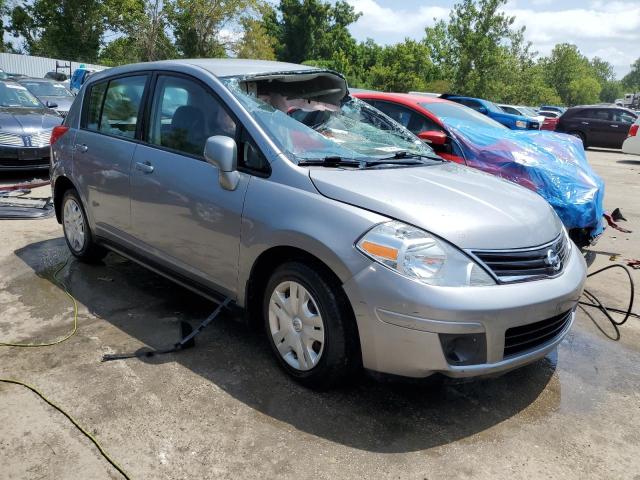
(550, 120)
(420, 114)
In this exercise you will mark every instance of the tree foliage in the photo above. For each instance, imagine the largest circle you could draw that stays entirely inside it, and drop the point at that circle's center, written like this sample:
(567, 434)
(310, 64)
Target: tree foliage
(476, 51)
(69, 29)
(631, 81)
(310, 29)
(198, 25)
(477, 46)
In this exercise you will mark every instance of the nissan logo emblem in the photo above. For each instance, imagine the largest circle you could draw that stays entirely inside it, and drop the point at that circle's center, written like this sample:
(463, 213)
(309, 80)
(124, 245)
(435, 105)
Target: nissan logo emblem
(553, 260)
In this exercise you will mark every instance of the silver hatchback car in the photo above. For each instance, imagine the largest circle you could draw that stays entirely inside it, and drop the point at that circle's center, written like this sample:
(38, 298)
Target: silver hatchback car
(331, 224)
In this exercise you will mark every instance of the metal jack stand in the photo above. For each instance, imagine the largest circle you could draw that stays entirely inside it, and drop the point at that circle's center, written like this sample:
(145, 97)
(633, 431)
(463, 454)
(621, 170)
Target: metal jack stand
(186, 342)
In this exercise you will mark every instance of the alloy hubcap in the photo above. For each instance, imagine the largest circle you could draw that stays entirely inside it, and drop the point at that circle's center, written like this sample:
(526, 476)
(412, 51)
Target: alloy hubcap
(74, 224)
(296, 325)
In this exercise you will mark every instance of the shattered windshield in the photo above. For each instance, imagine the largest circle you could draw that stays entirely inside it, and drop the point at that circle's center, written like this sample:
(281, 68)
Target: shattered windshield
(309, 130)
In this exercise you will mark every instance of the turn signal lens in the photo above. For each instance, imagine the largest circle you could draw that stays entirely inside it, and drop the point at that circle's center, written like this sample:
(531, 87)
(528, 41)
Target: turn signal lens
(377, 250)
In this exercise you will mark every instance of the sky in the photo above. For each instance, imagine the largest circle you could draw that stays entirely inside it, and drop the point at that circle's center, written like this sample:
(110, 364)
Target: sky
(606, 29)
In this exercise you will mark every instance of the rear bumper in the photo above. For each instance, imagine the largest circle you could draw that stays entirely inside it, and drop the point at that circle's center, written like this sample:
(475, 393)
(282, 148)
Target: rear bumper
(24, 158)
(402, 322)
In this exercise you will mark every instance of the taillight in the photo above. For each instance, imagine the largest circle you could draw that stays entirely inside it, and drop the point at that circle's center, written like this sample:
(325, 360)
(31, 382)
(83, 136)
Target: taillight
(57, 133)
(633, 131)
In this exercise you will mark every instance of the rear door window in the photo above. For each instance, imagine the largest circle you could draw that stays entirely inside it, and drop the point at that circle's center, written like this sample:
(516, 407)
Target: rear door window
(121, 107)
(408, 118)
(400, 114)
(622, 116)
(470, 103)
(596, 114)
(510, 110)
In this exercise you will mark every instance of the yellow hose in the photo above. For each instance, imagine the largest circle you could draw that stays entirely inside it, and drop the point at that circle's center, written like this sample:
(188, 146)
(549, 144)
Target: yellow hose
(56, 342)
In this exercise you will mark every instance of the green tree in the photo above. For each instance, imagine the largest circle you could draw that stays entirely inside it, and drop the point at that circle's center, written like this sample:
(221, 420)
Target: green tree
(583, 90)
(256, 41)
(603, 71)
(631, 81)
(146, 38)
(566, 69)
(472, 48)
(198, 25)
(311, 29)
(611, 91)
(402, 67)
(69, 29)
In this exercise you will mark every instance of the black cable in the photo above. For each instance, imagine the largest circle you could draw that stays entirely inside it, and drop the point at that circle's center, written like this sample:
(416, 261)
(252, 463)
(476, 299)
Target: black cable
(594, 302)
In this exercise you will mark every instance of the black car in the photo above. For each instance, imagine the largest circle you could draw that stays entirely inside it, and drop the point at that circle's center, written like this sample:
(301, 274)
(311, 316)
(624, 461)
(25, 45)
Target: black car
(25, 128)
(52, 94)
(597, 125)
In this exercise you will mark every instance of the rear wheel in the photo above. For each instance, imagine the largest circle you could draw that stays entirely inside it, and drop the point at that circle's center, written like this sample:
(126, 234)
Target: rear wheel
(310, 326)
(76, 229)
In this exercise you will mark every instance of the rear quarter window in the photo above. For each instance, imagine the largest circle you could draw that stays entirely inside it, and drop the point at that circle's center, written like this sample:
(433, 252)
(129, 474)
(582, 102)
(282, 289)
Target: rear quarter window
(94, 97)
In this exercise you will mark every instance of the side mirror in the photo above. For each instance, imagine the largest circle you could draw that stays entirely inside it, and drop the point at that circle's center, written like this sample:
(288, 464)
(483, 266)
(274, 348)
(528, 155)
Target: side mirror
(483, 110)
(434, 137)
(222, 153)
(51, 104)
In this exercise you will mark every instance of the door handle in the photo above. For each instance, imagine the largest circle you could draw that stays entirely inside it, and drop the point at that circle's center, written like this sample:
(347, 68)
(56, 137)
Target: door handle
(585, 123)
(81, 147)
(614, 126)
(145, 167)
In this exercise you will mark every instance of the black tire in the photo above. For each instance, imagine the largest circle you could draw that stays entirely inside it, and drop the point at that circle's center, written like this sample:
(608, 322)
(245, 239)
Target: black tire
(582, 138)
(89, 251)
(340, 359)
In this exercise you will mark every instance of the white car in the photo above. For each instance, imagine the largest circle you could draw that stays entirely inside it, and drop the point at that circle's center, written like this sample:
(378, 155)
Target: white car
(632, 143)
(523, 111)
(549, 114)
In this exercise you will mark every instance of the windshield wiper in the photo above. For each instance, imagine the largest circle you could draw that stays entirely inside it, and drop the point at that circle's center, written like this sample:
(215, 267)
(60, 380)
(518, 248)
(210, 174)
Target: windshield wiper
(404, 154)
(396, 159)
(332, 161)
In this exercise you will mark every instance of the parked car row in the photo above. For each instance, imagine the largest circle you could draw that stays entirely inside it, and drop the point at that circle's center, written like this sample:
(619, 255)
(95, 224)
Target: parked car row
(605, 126)
(338, 230)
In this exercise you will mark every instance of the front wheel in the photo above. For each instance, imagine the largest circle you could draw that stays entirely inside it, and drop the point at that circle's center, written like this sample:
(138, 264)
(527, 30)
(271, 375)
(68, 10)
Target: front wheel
(76, 229)
(310, 326)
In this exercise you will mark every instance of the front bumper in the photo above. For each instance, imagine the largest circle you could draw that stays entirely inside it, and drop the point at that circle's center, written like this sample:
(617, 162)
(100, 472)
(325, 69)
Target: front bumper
(400, 321)
(24, 158)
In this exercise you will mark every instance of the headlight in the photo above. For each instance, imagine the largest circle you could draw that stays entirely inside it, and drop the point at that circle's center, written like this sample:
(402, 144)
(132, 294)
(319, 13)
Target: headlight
(418, 255)
(521, 124)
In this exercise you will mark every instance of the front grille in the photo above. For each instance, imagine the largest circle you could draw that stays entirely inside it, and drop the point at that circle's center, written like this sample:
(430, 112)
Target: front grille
(11, 140)
(526, 337)
(525, 264)
(41, 139)
(534, 126)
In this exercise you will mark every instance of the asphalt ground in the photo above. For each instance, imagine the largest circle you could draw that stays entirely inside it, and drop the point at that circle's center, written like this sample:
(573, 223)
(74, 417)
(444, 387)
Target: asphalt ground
(224, 410)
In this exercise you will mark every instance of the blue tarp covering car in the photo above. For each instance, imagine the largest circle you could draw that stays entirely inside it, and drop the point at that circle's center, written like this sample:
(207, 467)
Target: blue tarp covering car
(552, 164)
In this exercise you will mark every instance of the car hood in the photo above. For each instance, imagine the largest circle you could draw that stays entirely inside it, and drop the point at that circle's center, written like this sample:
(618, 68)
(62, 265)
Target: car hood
(23, 121)
(552, 164)
(464, 206)
(64, 103)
